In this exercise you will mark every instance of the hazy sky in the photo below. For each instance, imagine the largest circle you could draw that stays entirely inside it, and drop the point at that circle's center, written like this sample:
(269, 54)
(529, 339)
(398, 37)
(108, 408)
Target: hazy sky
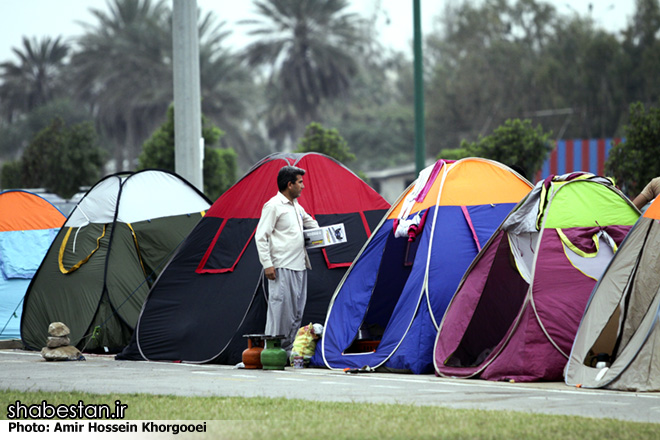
(38, 18)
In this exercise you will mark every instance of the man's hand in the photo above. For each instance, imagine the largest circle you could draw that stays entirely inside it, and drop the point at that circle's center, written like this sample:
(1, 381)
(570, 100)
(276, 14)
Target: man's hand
(270, 273)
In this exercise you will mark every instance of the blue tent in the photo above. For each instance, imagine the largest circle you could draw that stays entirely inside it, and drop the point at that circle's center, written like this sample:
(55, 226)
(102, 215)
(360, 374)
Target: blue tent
(28, 225)
(386, 311)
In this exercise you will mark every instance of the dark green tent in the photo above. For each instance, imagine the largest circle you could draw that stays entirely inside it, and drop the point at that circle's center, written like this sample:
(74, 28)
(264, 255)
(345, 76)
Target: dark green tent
(103, 261)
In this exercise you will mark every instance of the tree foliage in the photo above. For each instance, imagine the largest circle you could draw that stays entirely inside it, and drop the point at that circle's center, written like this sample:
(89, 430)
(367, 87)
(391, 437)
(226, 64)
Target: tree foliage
(219, 167)
(10, 177)
(120, 69)
(15, 137)
(309, 47)
(123, 69)
(228, 91)
(381, 135)
(501, 59)
(35, 79)
(326, 141)
(60, 159)
(515, 143)
(634, 162)
(641, 45)
(377, 120)
(312, 60)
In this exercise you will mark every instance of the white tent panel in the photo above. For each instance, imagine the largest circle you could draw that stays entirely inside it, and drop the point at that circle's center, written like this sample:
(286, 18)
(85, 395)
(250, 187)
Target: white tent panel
(145, 195)
(154, 194)
(98, 206)
(594, 265)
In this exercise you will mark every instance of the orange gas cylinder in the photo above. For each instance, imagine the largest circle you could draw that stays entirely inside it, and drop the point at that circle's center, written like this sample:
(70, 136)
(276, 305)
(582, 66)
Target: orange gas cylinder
(252, 355)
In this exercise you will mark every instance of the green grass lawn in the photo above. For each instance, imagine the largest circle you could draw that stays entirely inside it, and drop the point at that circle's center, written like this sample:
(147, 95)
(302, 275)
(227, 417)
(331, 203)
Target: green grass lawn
(259, 418)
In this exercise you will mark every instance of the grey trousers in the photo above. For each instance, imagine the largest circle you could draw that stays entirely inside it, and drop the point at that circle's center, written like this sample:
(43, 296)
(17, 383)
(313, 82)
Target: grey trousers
(287, 296)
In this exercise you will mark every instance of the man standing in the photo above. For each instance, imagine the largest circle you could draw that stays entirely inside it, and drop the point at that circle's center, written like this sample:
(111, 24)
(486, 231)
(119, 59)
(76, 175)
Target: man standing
(281, 247)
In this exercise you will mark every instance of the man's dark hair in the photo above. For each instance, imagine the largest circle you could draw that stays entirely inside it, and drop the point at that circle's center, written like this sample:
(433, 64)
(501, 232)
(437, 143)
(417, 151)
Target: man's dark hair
(288, 174)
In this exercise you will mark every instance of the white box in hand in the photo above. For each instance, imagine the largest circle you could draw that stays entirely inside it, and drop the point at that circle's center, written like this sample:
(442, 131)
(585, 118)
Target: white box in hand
(324, 236)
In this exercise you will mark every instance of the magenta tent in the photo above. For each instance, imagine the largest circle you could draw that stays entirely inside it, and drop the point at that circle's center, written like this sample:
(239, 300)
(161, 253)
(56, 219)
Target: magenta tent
(516, 311)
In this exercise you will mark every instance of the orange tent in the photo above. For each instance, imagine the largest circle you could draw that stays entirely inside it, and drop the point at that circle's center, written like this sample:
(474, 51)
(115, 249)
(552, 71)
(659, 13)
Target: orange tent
(28, 225)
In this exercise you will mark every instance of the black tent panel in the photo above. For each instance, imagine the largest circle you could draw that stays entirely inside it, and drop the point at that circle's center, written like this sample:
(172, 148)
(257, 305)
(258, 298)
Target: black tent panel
(213, 291)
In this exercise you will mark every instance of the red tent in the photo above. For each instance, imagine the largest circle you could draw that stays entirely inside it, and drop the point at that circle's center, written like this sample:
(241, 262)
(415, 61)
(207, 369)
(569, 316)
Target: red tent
(212, 292)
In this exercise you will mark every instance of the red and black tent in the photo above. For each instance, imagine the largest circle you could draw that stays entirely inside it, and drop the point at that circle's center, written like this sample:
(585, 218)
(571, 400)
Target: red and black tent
(213, 292)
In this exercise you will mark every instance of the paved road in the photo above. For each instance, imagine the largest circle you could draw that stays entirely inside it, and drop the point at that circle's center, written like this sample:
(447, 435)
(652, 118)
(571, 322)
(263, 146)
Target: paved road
(27, 371)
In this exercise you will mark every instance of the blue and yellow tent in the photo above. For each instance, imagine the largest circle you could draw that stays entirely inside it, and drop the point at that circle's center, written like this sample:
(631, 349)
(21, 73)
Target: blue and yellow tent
(386, 310)
(28, 225)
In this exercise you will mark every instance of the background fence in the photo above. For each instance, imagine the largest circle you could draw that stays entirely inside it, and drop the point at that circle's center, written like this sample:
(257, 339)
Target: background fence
(577, 155)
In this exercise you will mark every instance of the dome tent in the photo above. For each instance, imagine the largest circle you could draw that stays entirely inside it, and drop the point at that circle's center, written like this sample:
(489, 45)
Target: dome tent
(386, 310)
(98, 269)
(213, 290)
(621, 324)
(28, 225)
(516, 310)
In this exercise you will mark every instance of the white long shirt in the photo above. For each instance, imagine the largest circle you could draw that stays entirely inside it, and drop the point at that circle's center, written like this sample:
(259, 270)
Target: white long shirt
(279, 236)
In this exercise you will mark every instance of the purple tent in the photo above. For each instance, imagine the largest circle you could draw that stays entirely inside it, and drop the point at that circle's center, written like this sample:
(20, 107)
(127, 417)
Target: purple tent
(517, 309)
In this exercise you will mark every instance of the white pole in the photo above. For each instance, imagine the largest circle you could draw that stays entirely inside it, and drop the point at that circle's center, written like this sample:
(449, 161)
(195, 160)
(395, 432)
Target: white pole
(187, 95)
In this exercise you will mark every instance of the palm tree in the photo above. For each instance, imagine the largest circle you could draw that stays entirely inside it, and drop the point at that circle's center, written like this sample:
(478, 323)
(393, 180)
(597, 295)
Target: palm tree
(35, 79)
(310, 47)
(122, 69)
(228, 91)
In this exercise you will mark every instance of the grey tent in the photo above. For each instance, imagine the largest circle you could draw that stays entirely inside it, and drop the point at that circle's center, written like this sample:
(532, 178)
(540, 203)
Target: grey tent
(617, 345)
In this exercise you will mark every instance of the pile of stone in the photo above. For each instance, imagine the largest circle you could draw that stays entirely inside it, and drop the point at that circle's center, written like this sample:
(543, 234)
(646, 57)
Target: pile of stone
(57, 348)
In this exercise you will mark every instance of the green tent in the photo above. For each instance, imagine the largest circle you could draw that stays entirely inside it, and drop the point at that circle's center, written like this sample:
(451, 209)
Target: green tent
(104, 259)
